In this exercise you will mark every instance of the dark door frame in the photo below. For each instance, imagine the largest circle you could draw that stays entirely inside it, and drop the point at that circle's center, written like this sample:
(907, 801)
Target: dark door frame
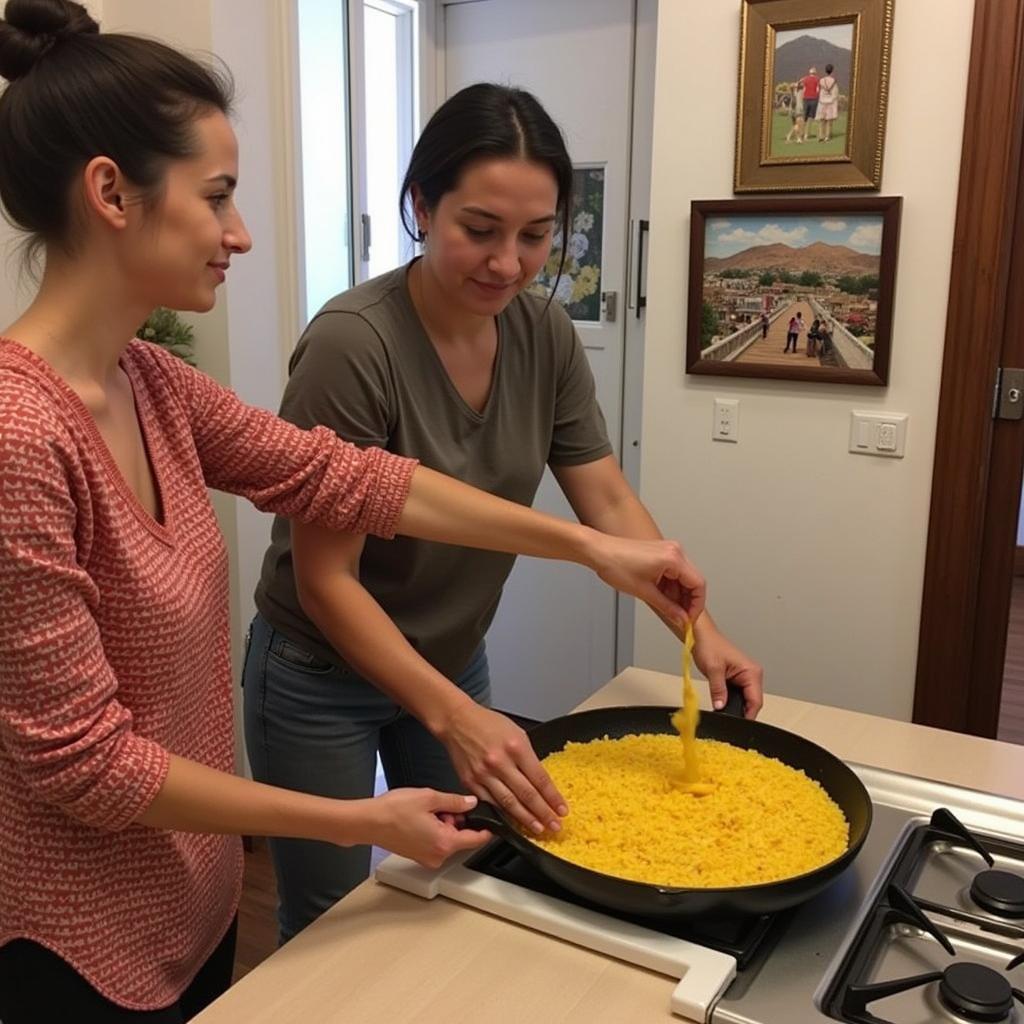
(976, 481)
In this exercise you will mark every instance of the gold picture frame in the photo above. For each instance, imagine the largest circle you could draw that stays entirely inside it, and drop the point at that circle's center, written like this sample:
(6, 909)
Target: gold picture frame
(798, 127)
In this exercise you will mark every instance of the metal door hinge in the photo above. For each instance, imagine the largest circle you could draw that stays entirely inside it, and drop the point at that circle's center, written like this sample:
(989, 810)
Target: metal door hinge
(609, 306)
(1008, 401)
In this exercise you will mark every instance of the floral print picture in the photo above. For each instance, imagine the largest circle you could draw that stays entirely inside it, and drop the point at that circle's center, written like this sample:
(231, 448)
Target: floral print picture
(579, 288)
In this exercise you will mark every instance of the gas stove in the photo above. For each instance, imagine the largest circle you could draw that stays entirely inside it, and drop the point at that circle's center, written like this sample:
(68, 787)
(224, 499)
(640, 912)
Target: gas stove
(926, 925)
(944, 937)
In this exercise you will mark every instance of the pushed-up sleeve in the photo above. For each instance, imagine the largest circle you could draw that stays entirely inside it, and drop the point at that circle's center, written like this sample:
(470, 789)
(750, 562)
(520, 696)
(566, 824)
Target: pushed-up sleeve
(61, 723)
(580, 434)
(310, 475)
(340, 377)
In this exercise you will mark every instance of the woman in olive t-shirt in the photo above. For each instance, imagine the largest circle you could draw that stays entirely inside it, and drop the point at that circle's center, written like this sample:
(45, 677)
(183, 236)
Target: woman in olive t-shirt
(362, 647)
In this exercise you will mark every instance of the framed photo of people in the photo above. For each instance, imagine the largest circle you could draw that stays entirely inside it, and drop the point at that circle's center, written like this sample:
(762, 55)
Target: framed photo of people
(793, 289)
(813, 91)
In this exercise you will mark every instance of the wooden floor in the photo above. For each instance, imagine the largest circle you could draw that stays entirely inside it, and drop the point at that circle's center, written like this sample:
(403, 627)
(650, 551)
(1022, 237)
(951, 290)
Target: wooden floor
(1011, 712)
(257, 913)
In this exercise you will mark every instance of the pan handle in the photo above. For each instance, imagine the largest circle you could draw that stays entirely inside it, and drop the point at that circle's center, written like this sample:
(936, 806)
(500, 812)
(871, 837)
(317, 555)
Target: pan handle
(734, 704)
(486, 816)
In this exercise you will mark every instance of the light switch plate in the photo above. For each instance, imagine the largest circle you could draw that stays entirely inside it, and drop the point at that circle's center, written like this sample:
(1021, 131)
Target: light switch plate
(878, 433)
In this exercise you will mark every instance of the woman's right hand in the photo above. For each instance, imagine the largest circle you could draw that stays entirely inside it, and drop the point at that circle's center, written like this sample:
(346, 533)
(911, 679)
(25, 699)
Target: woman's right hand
(656, 571)
(495, 760)
(422, 824)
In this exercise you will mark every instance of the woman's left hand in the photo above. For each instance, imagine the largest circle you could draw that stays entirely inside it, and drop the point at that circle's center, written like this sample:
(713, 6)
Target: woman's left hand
(494, 759)
(720, 660)
(656, 571)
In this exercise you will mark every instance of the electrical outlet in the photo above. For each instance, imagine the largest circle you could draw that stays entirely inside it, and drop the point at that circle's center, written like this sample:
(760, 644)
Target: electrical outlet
(887, 437)
(726, 424)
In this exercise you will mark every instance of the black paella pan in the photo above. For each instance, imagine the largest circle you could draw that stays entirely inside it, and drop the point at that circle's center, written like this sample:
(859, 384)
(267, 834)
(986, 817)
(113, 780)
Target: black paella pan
(630, 897)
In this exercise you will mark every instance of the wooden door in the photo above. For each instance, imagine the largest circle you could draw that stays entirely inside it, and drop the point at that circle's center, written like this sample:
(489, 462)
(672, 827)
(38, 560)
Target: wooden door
(978, 460)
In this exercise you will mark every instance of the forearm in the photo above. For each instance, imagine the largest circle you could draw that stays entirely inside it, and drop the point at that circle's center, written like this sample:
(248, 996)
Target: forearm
(197, 798)
(624, 516)
(362, 632)
(442, 509)
(657, 571)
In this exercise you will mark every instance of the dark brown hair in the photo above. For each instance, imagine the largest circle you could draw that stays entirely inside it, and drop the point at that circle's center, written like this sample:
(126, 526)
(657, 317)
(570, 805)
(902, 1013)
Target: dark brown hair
(485, 120)
(76, 94)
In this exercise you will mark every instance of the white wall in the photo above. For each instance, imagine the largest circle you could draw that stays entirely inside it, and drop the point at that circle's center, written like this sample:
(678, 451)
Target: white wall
(814, 556)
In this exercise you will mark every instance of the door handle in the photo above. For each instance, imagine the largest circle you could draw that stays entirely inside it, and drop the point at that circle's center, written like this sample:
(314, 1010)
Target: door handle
(609, 306)
(643, 226)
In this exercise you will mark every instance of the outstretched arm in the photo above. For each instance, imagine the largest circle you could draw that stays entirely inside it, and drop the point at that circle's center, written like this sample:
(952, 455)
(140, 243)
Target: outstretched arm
(416, 823)
(655, 570)
(312, 476)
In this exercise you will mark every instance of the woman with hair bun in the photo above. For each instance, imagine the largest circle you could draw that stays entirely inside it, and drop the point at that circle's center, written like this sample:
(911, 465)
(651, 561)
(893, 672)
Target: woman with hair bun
(828, 108)
(119, 876)
(449, 360)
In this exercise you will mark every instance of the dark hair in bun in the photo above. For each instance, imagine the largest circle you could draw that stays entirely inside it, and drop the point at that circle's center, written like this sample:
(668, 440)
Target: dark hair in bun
(32, 27)
(75, 94)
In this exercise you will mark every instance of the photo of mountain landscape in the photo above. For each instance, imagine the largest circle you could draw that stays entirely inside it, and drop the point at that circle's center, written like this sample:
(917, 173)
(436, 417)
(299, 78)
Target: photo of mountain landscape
(793, 285)
(826, 258)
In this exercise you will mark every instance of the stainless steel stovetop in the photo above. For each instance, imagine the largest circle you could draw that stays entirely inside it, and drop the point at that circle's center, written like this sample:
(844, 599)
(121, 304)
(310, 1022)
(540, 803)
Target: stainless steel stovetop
(860, 931)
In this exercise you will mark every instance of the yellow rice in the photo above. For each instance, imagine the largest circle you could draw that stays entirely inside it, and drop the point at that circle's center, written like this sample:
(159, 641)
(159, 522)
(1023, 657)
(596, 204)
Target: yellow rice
(629, 817)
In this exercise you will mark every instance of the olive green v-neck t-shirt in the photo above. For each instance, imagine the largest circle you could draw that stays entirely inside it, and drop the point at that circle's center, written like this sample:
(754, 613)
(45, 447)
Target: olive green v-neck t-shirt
(366, 368)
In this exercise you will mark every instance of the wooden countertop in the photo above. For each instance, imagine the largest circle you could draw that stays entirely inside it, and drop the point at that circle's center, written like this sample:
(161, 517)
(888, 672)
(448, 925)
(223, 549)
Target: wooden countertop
(381, 955)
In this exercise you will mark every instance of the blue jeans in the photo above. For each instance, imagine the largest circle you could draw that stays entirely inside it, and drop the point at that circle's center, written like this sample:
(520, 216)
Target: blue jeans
(312, 727)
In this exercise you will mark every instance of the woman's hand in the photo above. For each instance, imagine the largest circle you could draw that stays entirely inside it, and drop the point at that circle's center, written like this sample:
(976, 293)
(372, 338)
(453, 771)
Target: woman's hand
(720, 660)
(656, 571)
(495, 760)
(421, 824)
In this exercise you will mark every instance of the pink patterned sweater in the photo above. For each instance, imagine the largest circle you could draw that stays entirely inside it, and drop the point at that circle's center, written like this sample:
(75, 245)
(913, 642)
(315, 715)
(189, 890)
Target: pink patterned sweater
(114, 653)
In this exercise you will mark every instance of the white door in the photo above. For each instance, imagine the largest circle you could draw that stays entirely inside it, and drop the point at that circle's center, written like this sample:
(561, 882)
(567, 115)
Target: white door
(553, 640)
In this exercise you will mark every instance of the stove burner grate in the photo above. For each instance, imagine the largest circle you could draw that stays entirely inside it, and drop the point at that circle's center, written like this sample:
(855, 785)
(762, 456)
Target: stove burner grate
(999, 892)
(972, 991)
(976, 992)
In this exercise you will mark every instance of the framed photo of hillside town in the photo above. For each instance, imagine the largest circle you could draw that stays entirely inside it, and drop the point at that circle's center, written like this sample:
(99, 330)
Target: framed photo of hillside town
(814, 85)
(795, 289)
